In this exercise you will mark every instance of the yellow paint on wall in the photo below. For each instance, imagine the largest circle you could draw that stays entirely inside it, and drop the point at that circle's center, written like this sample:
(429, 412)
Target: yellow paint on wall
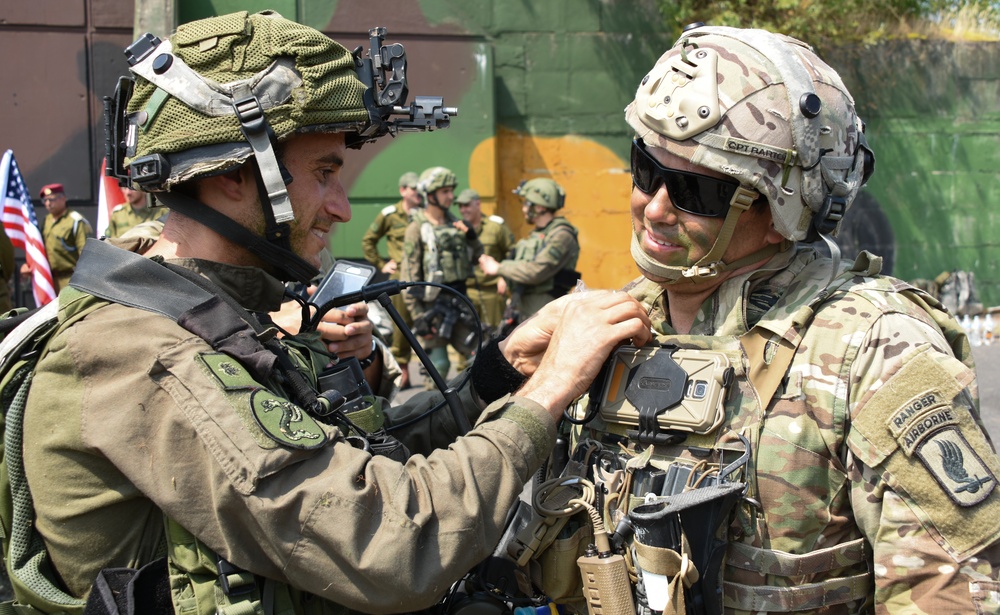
(597, 186)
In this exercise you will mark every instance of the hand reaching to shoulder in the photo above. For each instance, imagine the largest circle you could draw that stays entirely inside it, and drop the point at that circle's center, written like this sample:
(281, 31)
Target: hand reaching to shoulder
(563, 346)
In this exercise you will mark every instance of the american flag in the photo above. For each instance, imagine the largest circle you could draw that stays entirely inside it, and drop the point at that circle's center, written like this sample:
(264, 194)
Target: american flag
(22, 227)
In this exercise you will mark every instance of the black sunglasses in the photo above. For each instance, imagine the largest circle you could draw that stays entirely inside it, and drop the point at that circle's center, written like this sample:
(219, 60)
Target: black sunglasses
(696, 194)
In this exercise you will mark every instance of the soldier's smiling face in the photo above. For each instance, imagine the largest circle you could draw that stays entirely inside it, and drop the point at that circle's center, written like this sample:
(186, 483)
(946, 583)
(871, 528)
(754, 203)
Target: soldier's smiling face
(677, 238)
(319, 200)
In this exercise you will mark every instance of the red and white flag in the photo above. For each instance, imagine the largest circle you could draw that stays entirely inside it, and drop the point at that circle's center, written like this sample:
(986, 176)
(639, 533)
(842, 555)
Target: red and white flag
(21, 225)
(110, 196)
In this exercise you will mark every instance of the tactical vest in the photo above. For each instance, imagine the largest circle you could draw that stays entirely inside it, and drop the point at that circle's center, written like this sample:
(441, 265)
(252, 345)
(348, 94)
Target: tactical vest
(190, 577)
(445, 250)
(530, 246)
(762, 392)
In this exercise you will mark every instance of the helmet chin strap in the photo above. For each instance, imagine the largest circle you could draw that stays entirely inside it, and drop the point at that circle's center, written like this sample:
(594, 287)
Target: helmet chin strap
(710, 265)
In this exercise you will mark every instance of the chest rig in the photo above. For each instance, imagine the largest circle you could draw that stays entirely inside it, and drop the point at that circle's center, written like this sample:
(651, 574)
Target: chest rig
(445, 250)
(670, 438)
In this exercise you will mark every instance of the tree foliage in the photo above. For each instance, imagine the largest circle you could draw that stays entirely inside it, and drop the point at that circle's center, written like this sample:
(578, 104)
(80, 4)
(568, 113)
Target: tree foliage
(836, 22)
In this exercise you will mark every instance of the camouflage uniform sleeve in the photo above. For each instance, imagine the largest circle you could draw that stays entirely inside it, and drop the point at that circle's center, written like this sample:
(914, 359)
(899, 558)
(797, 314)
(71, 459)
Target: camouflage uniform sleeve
(369, 242)
(411, 269)
(557, 252)
(923, 473)
(363, 531)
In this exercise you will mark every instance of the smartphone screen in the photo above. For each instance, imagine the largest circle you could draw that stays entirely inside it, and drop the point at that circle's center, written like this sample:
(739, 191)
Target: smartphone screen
(345, 277)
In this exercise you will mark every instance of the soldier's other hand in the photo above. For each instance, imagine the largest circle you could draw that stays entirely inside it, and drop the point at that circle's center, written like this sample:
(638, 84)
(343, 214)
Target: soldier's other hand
(25, 271)
(488, 264)
(502, 286)
(348, 332)
(570, 342)
(460, 225)
(389, 267)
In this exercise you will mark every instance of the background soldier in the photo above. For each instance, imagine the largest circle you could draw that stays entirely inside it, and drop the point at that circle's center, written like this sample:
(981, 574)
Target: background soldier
(438, 247)
(391, 223)
(135, 210)
(543, 264)
(65, 232)
(487, 292)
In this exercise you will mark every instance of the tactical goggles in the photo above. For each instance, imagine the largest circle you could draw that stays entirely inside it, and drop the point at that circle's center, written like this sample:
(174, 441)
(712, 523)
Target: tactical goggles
(696, 194)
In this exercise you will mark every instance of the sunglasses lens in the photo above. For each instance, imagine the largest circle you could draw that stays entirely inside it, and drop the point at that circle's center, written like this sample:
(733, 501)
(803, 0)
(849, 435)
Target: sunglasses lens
(689, 192)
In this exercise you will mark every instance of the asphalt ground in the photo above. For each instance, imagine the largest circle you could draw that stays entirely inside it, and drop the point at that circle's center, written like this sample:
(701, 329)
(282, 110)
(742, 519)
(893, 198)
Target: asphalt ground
(987, 360)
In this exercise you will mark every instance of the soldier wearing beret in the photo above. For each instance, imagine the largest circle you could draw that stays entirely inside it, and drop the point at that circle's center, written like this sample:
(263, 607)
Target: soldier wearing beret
(65, 232)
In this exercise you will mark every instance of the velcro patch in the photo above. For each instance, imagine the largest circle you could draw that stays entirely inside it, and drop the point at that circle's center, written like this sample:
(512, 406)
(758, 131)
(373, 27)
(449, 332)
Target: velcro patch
(231, 375)
(956, 466)
(920, 417)
(286, 423)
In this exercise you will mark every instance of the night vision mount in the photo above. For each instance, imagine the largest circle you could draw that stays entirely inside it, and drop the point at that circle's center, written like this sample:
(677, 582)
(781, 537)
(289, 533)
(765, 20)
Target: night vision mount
(382, 70)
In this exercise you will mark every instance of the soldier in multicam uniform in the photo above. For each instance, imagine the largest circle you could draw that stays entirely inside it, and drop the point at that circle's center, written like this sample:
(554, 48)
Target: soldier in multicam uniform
(543, 264)
(193, 445)
(439, 248)
(135, 210)
(847, 424)
(65, 232)
(487, 292)
(391, 223)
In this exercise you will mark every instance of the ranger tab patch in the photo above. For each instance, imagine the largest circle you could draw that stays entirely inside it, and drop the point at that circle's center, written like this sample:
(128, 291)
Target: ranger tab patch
(286, 423)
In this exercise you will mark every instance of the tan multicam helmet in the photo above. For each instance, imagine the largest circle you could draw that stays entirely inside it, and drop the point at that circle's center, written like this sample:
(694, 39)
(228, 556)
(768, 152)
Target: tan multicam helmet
(542, 191)
(436, 178)
(764, 109)
(183, 102)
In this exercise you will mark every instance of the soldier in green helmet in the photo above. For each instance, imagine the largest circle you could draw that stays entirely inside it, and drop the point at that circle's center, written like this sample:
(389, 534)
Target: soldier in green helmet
(391, 223)
(488, 293)
(803, 435)
(439, 247)
(168, 429)
(135, 210)
(543, 265)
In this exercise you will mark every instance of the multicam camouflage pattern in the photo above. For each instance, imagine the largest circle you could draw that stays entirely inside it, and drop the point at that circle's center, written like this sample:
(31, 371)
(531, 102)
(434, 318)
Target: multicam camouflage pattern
(857, 511)
(537, 259)
(716, 79)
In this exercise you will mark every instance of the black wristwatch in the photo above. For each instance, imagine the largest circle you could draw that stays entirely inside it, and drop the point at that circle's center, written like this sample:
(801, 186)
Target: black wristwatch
(367, 361)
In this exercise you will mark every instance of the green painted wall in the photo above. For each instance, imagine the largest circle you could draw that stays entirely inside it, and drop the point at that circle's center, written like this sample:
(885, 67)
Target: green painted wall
(933, 115)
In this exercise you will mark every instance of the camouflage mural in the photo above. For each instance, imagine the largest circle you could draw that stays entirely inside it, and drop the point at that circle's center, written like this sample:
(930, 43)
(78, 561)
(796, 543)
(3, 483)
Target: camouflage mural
(541, 87)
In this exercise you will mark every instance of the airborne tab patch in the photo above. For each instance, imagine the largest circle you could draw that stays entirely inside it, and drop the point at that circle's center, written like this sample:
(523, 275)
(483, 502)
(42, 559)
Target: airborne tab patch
(956, 467)
(286, 423)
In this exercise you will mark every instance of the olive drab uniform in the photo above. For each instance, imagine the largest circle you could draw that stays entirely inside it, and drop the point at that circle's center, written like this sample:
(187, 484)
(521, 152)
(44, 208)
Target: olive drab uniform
(64, 239)
(220, 462)
(497, 240)
(391, 223)
(6, 270)
(844, 445)
(435, 253)
(124, 217)
(538, 259)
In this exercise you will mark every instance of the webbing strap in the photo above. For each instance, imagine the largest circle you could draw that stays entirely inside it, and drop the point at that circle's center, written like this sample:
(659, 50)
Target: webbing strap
(747, 557)
(802, 597)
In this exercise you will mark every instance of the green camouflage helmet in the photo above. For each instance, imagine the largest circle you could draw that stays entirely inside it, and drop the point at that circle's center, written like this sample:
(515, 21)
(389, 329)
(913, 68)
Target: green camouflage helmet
(408, 180)
(542, 191)
(764, 109)
(435, 178)
(187, 89)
